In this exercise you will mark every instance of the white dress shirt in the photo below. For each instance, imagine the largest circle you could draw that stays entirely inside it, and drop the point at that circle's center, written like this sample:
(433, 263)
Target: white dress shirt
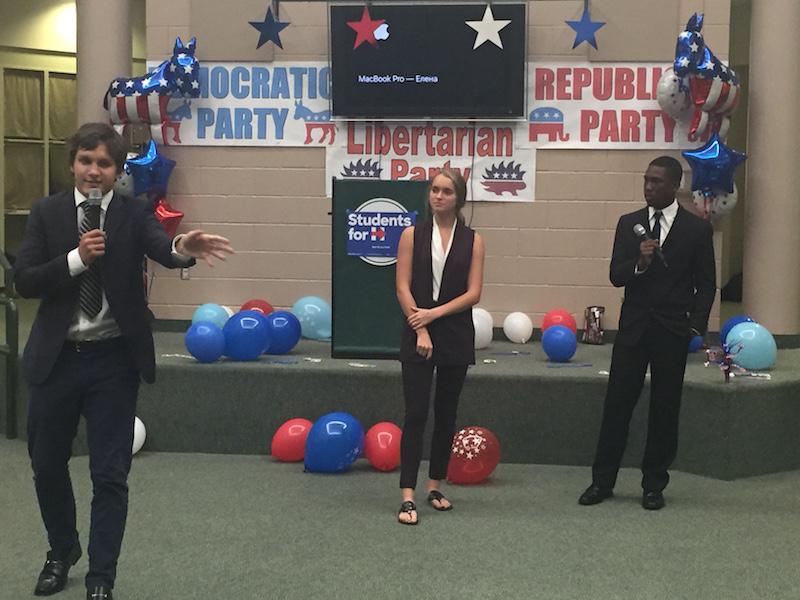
(439, 255)
(668, 215)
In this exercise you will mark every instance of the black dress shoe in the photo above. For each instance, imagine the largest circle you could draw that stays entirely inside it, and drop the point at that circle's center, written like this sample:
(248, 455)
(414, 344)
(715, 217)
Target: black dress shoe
(54, 573)
(653, 500)
(594, 494)
(99, 592)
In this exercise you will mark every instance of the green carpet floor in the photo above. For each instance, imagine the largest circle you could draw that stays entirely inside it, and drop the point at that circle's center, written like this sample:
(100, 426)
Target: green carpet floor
(215, 527)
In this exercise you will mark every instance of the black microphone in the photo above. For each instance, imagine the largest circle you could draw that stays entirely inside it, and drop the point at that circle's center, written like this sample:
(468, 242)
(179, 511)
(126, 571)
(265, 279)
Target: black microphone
(641, 233)
(94, 200)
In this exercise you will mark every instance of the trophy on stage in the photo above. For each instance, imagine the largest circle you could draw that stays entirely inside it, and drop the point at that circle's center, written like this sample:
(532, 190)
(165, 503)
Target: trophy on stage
(593, 325)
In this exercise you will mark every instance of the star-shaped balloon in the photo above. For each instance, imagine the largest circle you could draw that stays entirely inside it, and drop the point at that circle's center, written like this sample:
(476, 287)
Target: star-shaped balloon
(150, 171)
(167, 216)
(365, 29)
(488, 28)
(585, 28)
(270, 29)
(713, 166)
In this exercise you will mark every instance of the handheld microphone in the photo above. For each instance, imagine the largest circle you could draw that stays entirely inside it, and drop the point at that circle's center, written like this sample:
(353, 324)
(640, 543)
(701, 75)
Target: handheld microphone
(641, 233)
(93, 200)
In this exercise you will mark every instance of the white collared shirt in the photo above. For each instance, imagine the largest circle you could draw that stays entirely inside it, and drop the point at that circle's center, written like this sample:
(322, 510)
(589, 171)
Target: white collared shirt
(668, 215)
(439, 255)
(102, 326)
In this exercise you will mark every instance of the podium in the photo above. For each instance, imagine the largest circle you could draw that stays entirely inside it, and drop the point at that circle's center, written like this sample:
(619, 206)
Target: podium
(367, 218)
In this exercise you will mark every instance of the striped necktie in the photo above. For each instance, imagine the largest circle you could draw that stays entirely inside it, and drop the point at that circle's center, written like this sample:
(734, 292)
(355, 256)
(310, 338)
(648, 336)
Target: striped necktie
(91, 285)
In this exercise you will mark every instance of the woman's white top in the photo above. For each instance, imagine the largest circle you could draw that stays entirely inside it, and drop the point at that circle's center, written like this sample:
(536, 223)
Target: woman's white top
(439, 255)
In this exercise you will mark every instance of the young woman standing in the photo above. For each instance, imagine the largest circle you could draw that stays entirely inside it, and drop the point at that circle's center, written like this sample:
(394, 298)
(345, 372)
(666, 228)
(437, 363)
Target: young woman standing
(439, 279)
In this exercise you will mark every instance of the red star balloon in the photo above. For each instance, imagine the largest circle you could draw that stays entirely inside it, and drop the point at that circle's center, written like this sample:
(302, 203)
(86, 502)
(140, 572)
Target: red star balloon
(365, 29)
(474, 455)
(167, 216)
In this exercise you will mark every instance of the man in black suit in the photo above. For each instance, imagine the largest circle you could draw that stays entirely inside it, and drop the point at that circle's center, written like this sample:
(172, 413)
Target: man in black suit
(82, 255)
(670, 284)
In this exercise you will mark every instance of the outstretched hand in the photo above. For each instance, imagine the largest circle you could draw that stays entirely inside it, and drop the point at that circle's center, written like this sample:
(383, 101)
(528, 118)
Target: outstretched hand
(205, 246)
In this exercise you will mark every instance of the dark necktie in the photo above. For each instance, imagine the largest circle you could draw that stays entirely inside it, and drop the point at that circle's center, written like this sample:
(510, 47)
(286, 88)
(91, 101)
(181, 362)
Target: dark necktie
(91, 286)
(657, 226)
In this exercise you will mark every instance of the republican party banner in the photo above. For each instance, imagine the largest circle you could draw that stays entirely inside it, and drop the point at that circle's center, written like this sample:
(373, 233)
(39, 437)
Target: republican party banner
(486, 154)
(594, 105)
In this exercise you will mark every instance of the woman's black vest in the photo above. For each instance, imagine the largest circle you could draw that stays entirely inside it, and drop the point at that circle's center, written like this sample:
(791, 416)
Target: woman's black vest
(453, 336)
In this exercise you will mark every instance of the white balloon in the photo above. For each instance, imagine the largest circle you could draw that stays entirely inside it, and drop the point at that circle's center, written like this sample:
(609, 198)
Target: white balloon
(484, 314)
(518, 327)
(671, 98)
(139, 434)
(724, 202)
(483, 329)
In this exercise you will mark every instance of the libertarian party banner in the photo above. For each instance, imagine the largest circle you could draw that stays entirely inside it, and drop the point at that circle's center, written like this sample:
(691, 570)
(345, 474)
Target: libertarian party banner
(256, 104)
(589, 105)
(486, 154)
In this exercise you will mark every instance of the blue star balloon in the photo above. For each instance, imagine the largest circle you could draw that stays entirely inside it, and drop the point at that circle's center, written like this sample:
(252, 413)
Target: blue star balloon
(713, 166)
(150, 171)
(270, 29)
(585, 28)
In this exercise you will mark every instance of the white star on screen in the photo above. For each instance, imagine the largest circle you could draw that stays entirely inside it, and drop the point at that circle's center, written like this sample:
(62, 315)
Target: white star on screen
(488, 29)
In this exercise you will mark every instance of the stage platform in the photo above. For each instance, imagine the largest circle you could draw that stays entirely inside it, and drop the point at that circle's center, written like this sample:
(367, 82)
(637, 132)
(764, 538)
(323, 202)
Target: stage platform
(541, 412)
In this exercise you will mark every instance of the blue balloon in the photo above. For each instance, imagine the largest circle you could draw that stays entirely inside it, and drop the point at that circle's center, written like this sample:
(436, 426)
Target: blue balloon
(335, 441)
(213, 313)
(713, 166)
(695, 343)
(315, 317)
(559, 343)
(731, 323)
(150, 171)
(205, 341)
(284, 331)
(246, 335)
(752, 346)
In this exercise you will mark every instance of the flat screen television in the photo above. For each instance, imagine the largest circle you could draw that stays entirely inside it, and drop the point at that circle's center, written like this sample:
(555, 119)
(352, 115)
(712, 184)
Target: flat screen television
(428, 60)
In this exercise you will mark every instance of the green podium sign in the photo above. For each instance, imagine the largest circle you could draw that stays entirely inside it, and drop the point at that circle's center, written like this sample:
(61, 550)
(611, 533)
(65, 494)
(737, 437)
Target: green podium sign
(368, 218)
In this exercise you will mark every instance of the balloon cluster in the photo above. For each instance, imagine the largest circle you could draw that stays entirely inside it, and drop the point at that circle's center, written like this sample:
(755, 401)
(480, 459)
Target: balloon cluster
(335, 441)
(255, 329)
(746, 345)
(699, 87)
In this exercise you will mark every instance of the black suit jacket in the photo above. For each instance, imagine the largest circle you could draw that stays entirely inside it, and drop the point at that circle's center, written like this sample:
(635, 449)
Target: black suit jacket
(680, 296)
(41, 271)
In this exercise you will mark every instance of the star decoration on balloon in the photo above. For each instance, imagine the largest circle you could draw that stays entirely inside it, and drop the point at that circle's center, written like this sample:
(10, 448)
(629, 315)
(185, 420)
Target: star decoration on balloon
(269, 29)
(488, 29)
(150, 171)
(713, 166)
(585, 28)
(365, 29)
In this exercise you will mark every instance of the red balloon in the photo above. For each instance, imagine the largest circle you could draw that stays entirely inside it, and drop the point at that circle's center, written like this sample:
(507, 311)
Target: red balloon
(289, 442)
(559, 316)
(475, 454)
(167, 216)
(382, 446)
(261, 306)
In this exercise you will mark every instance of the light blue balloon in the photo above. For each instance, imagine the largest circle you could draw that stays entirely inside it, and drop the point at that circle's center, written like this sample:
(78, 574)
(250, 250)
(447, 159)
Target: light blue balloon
(335, 441)
(314, 315)
(752, 346)
(211, 313)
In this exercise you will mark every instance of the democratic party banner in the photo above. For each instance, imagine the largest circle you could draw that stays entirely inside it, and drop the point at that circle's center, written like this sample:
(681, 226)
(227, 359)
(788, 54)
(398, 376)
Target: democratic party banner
(593, 105)
(256, 104)
(486, 154)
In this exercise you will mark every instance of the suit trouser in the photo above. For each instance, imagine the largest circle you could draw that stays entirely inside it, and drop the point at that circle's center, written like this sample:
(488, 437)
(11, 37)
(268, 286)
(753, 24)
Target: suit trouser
(102, 386)
(665, 352)
(417, 379)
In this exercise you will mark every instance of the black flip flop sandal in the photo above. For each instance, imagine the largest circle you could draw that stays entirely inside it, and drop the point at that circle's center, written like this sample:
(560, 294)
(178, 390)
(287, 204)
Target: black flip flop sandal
(436, 495)
(407, 507)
